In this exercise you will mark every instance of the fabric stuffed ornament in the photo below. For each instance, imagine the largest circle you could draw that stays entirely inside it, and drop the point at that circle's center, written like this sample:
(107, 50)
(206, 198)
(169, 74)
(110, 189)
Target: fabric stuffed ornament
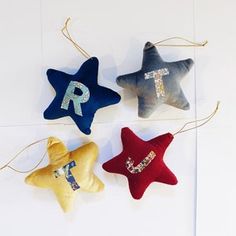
(158, 81)
(79, 96)
(67, 172)
(142, 162)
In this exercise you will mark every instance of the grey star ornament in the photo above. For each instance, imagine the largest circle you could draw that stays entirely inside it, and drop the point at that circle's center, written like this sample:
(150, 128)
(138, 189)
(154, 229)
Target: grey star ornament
(157, 82)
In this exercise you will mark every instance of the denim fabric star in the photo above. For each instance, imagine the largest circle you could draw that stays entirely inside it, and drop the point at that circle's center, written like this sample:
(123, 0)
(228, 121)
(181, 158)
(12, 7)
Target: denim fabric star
(79, 96)
(157, 82)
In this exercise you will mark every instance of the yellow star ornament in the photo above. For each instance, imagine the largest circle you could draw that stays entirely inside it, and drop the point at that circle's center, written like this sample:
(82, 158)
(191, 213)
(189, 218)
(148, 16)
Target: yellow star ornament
(67, 172)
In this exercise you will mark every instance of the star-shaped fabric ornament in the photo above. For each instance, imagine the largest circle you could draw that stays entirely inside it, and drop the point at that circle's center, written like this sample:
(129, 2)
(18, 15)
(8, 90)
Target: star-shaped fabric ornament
(79, 96)
(157, 82)
(67, 172)
(142, 162)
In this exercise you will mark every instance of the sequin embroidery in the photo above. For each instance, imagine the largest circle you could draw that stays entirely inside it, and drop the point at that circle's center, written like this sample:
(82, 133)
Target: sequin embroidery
(76, 99)
(142, 165)
(66, 171)
(157, 76)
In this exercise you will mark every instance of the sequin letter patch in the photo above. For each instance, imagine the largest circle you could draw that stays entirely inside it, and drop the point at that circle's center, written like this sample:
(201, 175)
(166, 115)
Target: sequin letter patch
(76, 99)
(142, 165)
(157, 76)
(66, 171)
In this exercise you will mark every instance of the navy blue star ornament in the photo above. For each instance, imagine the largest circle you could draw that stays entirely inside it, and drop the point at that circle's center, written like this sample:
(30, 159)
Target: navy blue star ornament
(157, 82)
(79, 96)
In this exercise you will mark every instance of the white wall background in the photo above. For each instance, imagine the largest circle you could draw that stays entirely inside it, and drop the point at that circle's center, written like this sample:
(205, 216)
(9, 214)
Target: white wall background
(202, 203)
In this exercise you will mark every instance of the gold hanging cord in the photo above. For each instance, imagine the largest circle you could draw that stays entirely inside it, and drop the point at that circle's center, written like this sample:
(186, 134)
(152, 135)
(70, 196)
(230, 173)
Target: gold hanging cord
(204, 121)
(7, 165)
(189, 43)
(67, 35)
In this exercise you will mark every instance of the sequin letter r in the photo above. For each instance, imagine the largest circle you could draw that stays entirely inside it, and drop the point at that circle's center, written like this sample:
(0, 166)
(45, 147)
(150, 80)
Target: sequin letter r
(76, 99)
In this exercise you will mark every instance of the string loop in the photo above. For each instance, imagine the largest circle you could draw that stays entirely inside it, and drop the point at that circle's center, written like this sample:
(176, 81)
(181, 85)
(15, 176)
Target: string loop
(204, 120)
(7, 165)
(67, 35)
(189, 43)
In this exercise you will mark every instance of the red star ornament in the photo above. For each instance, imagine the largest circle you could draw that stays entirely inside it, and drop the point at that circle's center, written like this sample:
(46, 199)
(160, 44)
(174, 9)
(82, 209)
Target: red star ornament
(142, 162)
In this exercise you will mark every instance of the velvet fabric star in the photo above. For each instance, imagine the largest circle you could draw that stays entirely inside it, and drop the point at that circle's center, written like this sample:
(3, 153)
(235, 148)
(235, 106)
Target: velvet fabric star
(142, 162)
(157, 82)
(79, 96)
(67, 172)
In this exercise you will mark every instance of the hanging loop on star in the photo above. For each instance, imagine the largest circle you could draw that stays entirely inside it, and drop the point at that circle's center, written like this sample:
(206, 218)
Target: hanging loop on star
(67, 35)
(188, 43)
